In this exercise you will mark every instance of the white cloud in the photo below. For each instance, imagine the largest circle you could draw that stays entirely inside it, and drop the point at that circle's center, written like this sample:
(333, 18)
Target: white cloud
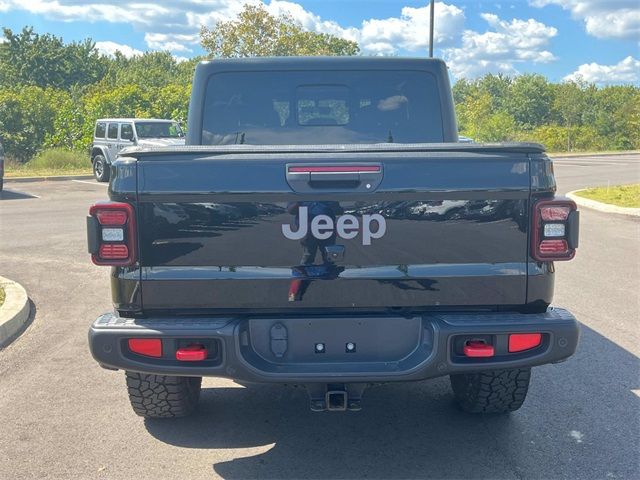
(603, 18)
(388, 36)
(510, 43)
(174, 26)
(171, 42)
(110, 49)
(625, 71)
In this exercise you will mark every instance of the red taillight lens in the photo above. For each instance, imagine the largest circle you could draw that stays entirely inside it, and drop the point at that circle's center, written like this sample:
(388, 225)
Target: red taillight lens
(552, 247)
(476, 349)
(554, 230)
(551, 213)
(149, 347)
(109, 245)
(519, 342)
(192, 353)
(114, 251)
(111, 217)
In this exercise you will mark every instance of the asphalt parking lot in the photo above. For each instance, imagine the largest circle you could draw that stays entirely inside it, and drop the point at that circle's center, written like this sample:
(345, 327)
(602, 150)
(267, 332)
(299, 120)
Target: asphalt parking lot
(61, 416)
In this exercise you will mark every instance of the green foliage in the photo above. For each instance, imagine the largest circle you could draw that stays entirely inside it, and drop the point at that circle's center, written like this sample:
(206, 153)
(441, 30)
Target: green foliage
(570, 116)
(58, 159)
(257, 33)
(621, 195)
(27, 117)
(51, 93)
(121, 101)
(529, 100)
(28, 58)
(171, 101)
(480, 121)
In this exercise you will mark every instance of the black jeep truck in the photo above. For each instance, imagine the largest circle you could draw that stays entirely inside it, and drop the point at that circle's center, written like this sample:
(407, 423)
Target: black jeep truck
(324, 228)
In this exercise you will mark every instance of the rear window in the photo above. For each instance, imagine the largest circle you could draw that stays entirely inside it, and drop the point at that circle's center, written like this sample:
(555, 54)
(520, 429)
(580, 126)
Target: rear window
(321, 107)
(112, 131)
(101, 129)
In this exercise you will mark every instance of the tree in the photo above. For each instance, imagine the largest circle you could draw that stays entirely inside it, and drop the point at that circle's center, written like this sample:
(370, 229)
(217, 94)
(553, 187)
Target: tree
(150, 69)
(257, 33)
(568, 103)
(172, 101)
(498, 87)
(122, 101)
(26, 118)
(479, 121)
(530, 100)
(28, 58)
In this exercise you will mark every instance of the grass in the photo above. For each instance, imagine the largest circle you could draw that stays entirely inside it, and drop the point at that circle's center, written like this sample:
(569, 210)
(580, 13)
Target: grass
(2, 296)
(621, 195)
(54, 161)
(591, 152)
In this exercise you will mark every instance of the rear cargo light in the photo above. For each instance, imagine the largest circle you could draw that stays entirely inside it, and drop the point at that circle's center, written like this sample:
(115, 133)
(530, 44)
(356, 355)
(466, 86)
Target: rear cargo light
(554, 230)
(149, 347)
(519, 342)
(111, 230)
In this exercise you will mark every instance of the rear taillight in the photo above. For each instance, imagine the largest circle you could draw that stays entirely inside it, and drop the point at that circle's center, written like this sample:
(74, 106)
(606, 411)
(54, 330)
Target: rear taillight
(554, 230)
(111, 231)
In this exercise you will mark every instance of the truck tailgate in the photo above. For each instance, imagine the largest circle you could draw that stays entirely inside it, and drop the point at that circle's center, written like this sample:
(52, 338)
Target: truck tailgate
(397, 230)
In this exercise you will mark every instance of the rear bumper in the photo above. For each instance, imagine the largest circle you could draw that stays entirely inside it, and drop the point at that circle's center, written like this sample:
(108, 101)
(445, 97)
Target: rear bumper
(281, 350)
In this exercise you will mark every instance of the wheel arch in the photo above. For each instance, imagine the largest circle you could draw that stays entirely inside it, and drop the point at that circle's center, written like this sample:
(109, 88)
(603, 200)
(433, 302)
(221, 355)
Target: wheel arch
(99, 151)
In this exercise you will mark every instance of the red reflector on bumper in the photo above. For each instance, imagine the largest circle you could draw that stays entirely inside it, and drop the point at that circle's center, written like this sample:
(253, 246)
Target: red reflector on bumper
(149, 347)
(110, 251)
(478, 350)
(192, 353)
(519, 342)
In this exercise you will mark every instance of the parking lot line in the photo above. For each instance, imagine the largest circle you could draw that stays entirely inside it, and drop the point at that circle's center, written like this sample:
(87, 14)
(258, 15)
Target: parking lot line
(91, 183)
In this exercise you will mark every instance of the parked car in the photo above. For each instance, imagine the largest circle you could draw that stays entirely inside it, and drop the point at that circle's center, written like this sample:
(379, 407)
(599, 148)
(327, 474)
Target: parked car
(1, 167)
(290, 241)
(113, 134)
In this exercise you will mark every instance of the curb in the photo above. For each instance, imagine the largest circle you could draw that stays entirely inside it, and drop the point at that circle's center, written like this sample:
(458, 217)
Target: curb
(602, 207)
(54, 178)
(15, 310)
(593, 154)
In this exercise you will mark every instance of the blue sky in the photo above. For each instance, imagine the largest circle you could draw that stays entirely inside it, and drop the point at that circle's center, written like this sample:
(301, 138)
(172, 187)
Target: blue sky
(598, 40)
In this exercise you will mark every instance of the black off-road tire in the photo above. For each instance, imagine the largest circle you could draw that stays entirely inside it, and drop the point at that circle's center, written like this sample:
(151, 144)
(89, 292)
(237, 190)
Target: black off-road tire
(101, 169)
(160, 396)
(491, 391)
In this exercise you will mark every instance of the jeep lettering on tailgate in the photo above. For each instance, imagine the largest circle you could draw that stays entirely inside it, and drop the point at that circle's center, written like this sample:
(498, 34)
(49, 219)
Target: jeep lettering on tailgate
(346, 226)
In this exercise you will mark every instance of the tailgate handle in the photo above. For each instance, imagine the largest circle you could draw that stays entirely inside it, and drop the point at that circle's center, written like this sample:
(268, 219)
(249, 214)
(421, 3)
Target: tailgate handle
(361, 177)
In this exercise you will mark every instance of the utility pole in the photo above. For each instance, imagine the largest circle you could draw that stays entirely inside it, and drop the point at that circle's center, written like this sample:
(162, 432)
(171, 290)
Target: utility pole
(431, 29)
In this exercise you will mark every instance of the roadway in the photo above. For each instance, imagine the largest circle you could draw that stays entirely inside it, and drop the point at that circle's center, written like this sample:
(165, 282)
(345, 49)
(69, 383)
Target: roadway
(64, 417)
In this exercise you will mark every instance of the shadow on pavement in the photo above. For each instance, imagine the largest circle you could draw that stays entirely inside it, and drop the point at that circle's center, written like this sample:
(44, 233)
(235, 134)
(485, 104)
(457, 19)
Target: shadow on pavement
(6, 194)
(580, 421)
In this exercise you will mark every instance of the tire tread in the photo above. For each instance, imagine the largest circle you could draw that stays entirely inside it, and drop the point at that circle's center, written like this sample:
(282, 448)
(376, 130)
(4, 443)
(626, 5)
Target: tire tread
(162, 396)
(491, 391)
